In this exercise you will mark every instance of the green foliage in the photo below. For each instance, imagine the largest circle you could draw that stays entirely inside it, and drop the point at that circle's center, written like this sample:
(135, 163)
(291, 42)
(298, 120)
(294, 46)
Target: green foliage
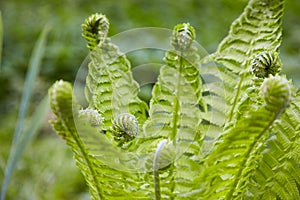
(235, 138)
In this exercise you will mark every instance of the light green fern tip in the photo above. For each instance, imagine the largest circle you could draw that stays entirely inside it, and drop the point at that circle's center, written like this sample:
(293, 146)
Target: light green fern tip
(277, 93)
(125, 128)
(95, 30)
(183, 36)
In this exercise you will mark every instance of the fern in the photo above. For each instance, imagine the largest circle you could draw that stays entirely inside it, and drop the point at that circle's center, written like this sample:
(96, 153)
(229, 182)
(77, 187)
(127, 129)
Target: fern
(235, 157)
(257, 29)
(224, 127)
(61, 104)
(278, 173)
(109, 75)
(175, 114)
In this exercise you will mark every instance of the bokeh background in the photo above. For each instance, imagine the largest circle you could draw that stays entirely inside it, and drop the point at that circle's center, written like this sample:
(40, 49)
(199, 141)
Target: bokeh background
(47, 170)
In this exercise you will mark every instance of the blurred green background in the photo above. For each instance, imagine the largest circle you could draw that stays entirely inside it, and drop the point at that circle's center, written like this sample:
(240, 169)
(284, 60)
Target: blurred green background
(47, 170)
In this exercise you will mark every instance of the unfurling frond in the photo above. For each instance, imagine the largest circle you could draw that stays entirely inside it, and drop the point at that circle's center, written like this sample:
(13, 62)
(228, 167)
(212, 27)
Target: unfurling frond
(64, 107)
(278, 173)
(175, 110)
(110, 87)
(125, 128)
(266, 63)
(95, 30)
(276, 91)
(256, 30)
(183, 36)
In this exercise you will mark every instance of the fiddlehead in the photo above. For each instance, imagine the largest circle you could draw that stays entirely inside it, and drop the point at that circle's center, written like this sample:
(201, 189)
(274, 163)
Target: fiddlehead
(175, 110)
(125, 128)
(91, 116)
(183, 36)
(266, 63)
(276, 92)
(95, 29)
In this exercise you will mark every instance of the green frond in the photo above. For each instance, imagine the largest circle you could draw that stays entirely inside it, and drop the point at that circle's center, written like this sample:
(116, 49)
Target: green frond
(257, 29)
(103, 179)
(62, 106)
(175, 110)
(278, 173)
(238, 151)
(110, 87)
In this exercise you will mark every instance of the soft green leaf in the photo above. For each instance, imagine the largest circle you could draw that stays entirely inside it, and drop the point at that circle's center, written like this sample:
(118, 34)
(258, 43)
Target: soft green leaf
(258, 28)
(110, 87)
(278, 173)
(175, 110)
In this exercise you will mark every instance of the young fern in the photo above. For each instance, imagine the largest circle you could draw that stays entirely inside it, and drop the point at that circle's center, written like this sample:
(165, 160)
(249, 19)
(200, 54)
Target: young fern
(257, 29)
(235, 138)
(175, 112)
(110, 88)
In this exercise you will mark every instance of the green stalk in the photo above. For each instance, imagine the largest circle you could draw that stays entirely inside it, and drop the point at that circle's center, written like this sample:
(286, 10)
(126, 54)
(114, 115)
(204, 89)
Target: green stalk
(16, 150)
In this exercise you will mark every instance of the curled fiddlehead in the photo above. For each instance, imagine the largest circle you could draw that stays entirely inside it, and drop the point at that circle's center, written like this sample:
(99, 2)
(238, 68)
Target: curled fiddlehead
(92, 116)
(266, 63)
(95, 29)
(125, 128)
(276, 92)
(184, 34)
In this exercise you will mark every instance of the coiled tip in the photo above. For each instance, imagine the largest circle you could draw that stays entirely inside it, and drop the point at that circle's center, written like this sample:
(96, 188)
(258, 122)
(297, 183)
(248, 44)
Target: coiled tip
(266, 63)
(95, 29)
(183, 36)
(277, 93)
(125, 127)
(92, 116)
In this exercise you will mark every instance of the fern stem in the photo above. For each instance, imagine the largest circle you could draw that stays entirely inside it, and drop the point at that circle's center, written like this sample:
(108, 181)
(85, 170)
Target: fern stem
(236, 98)
(176, 102)
(156, 169)
(88, 163)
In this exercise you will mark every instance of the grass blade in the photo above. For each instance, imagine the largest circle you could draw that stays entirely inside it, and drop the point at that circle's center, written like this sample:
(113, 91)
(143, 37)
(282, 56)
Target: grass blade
(34, 66)
(1, 38)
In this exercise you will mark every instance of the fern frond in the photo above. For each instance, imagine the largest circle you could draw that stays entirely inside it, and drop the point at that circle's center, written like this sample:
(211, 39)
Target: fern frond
(110, 87)
(102, 179)
(61, 104)
(234, 159)
(175, 110)
(257, 29)
(278, 173)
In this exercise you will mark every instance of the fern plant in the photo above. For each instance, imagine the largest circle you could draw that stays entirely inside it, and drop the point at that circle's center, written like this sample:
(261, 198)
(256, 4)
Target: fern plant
(234, 137)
